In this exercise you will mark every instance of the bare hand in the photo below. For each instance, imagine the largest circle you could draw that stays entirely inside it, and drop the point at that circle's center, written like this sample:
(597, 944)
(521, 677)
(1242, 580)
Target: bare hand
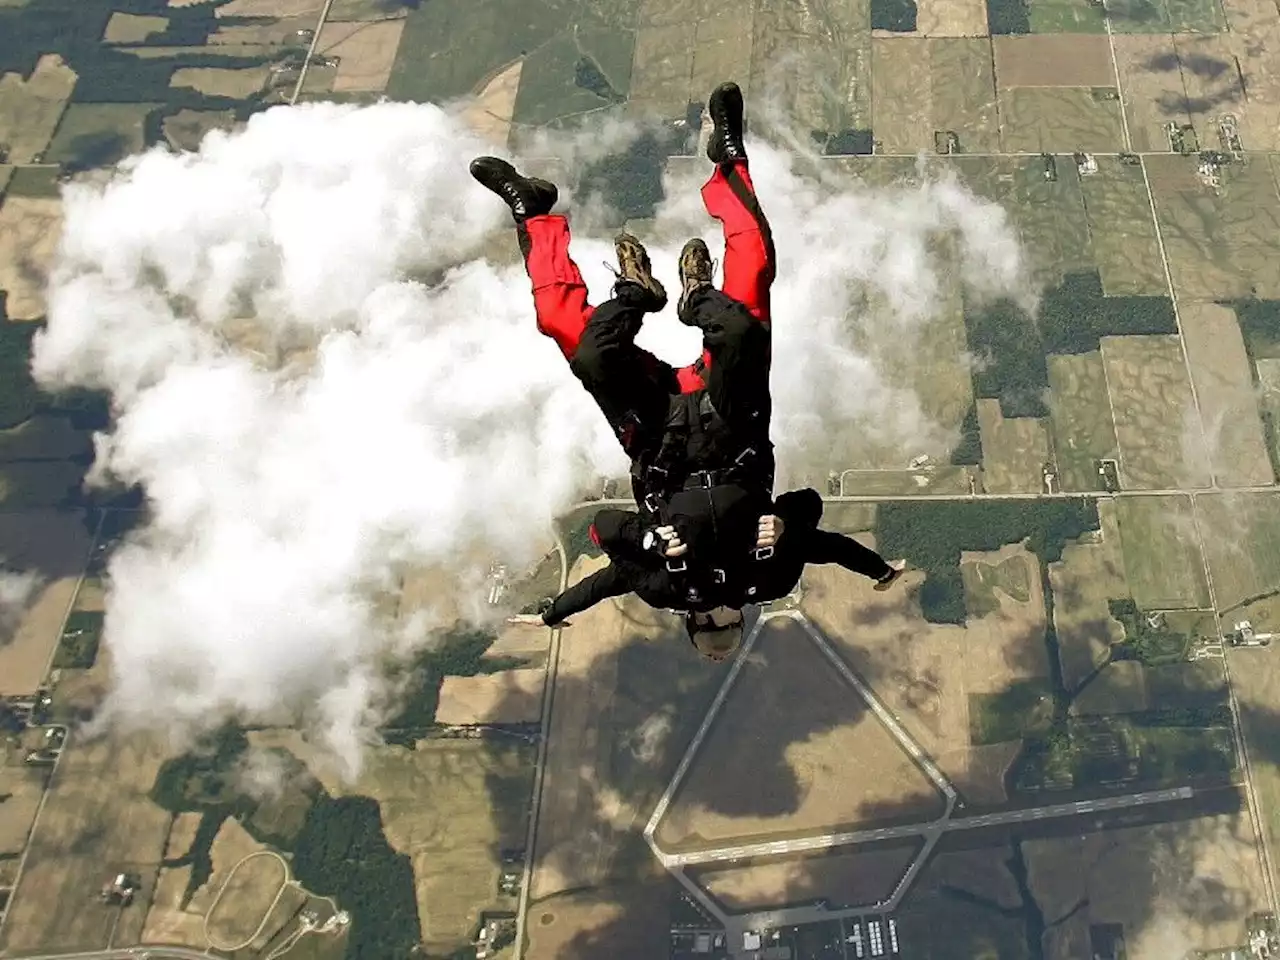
(672, 546)
(534, 620)
(769, 532)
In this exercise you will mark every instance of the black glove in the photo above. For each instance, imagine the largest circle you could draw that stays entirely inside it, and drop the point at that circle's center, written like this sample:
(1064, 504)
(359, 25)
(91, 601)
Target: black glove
(651, 542)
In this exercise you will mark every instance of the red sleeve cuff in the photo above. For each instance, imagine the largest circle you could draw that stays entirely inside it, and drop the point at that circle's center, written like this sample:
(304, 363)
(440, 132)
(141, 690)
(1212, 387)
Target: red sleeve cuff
(595, 536)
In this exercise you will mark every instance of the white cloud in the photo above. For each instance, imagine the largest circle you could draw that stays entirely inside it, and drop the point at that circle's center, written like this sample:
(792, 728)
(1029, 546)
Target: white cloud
(308, 421)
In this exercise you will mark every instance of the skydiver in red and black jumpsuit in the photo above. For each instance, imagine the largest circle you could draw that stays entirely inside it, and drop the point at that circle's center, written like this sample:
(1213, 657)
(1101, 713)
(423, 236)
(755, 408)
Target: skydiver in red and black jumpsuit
(712, 416)
(698, 437)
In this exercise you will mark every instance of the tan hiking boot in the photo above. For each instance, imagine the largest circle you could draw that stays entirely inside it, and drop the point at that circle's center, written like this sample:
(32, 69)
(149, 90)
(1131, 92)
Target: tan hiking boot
(896, 568)
(696, 269)
(634, 267)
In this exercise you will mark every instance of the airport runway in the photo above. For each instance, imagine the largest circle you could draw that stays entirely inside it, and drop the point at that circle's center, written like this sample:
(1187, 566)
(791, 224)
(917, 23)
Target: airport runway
(126, 953)
(823, 841)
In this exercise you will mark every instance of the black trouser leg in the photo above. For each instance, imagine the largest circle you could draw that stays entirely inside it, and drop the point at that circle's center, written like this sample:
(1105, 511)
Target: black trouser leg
(631, 385)
(741, 349)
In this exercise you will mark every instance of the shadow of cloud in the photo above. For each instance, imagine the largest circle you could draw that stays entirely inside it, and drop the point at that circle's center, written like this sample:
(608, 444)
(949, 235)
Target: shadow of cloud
(1220, 73)
(1208, 68)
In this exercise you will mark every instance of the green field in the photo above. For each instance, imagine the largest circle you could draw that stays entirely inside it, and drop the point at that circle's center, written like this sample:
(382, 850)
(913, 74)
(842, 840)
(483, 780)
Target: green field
(817, 75)
(933, 536)
(964, 92)
(946, 927)
(1226, 396)
(479, 805)
(1166, 16)
(1123, 230)
(1161, 441)
(1065, 16)
(99, 134)
(449, 49)
(34, 182)
(982, 580)
(1014, 450)
(1162, 552)
(1153, 748)
(1221, 245)
(1048, 215)
(1242, 544)
(1080, 415)
(1190, 684)
(1269, 405)
(573, 75)
(849, 518)
(1171, 755)
(1025, 709)
(1058, 120)
(942, 479)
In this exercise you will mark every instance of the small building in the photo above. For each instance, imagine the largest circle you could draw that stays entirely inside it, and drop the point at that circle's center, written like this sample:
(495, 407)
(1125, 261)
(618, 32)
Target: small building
(1246, 636)
(509, 883)
(1109, 473)
(119, 890)
(497, 930)
(42, 758)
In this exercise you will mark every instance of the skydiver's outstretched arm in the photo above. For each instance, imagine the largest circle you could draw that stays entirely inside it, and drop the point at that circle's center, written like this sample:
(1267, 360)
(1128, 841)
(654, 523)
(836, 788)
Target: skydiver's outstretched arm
(826, 546)
(585, 594)
(801, 512)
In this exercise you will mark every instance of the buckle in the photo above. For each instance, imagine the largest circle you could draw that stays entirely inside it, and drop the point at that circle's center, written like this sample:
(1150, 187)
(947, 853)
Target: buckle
(703, 478)
(718, 575)
(651, 503)
(748, 452)
(676, 565)
(763, 553)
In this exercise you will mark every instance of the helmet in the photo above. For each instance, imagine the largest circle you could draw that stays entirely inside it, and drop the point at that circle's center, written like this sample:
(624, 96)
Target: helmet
(716, 633)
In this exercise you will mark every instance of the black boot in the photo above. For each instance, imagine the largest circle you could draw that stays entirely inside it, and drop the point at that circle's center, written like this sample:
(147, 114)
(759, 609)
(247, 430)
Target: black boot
(526, 196)
(725, 108)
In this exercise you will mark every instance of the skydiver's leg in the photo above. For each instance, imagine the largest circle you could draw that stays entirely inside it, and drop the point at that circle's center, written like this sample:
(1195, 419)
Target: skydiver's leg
(730, 197)
(749, 261)
(630, 385)
(559, 292)
(750, 264)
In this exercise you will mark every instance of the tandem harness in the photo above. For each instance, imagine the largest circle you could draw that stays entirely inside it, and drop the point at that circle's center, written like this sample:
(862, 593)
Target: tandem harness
(700, 436)
(678, 567)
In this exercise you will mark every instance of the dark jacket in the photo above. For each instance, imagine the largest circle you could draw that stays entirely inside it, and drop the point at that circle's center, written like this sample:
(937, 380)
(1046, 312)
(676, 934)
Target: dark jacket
(722, 566)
